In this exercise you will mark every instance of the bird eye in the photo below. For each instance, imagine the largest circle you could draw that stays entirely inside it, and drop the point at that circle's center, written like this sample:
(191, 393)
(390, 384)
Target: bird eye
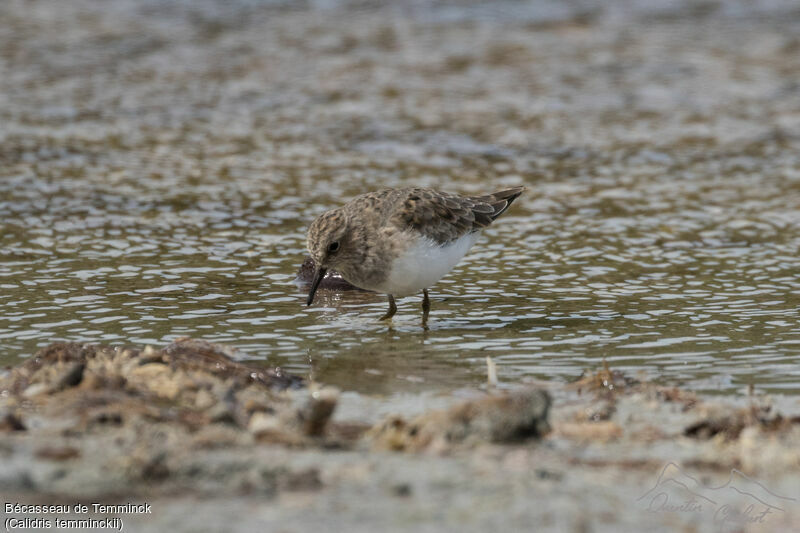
(333, 247)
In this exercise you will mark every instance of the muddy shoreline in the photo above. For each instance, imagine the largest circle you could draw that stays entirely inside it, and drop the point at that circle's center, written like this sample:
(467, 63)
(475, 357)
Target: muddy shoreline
(186, 427)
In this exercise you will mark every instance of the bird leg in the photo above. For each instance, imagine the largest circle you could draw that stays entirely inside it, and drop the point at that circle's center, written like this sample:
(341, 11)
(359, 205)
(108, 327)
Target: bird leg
(392, 309)
(426, 308)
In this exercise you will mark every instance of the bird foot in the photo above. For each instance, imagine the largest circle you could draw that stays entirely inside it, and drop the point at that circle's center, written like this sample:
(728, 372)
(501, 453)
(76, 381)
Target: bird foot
(392, 309)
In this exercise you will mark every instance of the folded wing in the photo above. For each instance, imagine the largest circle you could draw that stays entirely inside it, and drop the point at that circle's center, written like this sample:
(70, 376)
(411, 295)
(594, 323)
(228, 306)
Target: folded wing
(444, 217)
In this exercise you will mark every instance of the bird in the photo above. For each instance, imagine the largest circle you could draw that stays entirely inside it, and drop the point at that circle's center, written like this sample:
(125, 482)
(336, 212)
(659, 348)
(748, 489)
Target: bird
(401, 241)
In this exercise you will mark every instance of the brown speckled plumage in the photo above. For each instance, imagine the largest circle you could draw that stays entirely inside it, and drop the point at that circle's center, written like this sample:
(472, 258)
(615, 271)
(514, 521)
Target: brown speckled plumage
(445, 217)
(362, 238)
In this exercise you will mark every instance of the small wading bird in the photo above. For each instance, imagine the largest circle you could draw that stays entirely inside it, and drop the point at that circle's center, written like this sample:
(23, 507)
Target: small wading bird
(401, 241)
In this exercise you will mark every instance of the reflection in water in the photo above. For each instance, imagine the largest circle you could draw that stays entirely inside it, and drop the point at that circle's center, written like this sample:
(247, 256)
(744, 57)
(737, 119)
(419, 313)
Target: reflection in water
(660, 231)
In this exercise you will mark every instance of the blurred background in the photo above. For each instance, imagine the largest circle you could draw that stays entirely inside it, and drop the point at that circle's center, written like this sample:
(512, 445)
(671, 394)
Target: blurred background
(161, 160)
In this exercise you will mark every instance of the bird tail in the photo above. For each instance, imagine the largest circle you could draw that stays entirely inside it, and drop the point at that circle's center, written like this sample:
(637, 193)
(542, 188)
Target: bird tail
(502, 199)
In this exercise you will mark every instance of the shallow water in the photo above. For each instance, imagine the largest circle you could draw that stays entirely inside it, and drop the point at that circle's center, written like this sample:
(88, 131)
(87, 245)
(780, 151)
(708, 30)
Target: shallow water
(160, 163)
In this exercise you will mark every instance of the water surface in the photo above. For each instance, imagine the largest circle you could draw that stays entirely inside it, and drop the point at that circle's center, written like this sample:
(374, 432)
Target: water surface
(160, 163)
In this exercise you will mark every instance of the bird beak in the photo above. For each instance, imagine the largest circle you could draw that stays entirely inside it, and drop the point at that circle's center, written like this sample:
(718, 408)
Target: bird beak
(318, 275)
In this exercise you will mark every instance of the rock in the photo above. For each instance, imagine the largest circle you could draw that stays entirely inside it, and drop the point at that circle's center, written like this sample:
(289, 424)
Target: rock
(717, 420)
(10, 422)
(308, 423)
(318, 411)
(506, 418)
(191, 382)
(218, 359)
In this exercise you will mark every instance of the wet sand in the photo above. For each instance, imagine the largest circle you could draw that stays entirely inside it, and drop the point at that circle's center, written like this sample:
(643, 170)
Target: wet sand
(211, 443)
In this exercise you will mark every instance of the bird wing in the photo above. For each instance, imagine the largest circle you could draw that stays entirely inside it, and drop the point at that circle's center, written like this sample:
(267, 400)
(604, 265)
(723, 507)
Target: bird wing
(444, 217)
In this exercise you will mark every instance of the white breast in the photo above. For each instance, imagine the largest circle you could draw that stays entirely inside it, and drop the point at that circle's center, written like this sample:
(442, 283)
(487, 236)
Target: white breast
(424, 263)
